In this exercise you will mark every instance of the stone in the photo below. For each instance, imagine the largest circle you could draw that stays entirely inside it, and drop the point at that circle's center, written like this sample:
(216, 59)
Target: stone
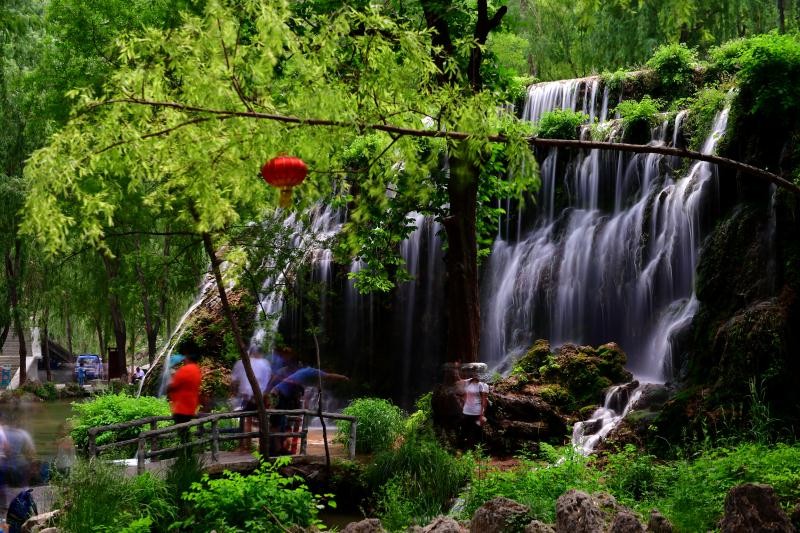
(538, 527)
(368, 525)
(499, 515)
(577, 512)
(39, 522)
(626, 522)
(443, 524)
(658, 523)
(754, 507)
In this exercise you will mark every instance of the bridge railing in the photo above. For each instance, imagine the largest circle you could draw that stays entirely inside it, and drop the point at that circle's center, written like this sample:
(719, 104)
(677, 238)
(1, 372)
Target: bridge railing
(207, 432)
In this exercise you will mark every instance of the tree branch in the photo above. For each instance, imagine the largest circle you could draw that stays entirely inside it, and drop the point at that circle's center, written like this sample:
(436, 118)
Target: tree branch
(223, 114)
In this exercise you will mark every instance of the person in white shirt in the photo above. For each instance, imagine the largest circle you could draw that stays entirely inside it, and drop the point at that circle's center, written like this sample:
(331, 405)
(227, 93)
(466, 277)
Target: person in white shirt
(476, 395)
(245, 396)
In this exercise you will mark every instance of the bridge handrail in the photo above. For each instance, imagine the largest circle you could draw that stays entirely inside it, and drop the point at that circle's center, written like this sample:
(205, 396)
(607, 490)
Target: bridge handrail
(154, 433)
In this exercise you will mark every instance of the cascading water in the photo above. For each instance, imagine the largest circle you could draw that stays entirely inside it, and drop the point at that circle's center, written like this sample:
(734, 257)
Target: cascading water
(612, 254)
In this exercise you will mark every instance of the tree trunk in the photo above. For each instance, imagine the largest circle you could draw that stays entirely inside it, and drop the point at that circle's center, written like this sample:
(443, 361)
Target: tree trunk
(13, 268)
(263, 440)
(69, 335)
(781, 16)
(46, 343)
(151, 322)
(461, 262)
(4, 334)
(115, 306)
(101, 339)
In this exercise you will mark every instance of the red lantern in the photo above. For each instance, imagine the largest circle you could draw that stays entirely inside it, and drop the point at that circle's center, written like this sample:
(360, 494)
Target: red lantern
(284, 172)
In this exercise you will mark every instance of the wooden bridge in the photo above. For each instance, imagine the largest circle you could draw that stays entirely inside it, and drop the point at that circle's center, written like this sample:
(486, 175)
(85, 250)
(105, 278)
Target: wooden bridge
(205, 431)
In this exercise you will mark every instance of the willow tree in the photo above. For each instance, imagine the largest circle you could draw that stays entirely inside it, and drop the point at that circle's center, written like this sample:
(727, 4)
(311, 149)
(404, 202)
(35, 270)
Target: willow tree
(183, 125)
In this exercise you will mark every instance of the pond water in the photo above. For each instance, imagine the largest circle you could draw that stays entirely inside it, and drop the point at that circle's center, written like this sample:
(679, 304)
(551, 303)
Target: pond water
(45, 421)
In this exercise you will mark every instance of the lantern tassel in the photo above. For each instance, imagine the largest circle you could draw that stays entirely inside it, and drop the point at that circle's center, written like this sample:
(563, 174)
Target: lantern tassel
(285, 197)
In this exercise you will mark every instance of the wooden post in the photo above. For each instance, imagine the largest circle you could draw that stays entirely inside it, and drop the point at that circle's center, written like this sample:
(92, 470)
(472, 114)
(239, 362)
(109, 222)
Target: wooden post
(266, 436)
(353, 430)
(154, 439)
(140, 456)
(304, 437)
(214, 439)
(92, 443)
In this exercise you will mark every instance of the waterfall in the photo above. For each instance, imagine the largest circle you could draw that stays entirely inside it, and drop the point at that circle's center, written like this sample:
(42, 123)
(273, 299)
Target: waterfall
(612, 258)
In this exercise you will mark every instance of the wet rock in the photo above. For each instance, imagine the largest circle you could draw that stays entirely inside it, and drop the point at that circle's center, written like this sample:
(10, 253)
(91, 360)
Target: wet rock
(443, 524)
(538, 527)
(658, 523)
(368, 525)
(795, 516)
(577, 512)
(500, 515)
(626, 522)
(754, 507)
(40, 522)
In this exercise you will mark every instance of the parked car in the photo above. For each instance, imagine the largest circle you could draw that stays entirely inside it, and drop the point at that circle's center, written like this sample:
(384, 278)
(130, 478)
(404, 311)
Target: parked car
(92, 366)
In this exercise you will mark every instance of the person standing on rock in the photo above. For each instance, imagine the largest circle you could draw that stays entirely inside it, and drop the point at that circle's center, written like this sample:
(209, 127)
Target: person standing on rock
(476, 396)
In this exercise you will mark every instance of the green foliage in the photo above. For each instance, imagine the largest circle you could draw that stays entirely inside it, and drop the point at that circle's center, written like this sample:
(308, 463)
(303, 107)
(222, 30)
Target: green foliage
(561, 124)
(674, 65)
(769, 80)
(633, 475)
(615, 81)
(264, 501)
(702, 110)
(112, 409)
(416, 481)
(98, 496)
(638, 118)
(181, 475)
(46, 391)
(535, 484)
(380, 423)
(420, 422)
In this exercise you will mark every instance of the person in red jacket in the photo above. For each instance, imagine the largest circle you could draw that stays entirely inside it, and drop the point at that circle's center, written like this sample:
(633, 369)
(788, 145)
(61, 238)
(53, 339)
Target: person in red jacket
(184, 390)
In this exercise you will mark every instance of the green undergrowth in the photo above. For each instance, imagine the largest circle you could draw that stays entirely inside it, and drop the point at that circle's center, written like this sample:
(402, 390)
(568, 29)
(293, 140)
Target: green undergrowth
(690, 491)
(561, 124)
(108, 409)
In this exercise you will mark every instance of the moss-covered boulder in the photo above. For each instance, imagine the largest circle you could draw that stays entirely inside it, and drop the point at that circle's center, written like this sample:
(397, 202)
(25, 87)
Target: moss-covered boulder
(549, 389)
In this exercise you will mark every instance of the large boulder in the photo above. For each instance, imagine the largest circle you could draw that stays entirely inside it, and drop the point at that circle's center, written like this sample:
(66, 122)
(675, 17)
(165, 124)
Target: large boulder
(658, 523)
(754, 507)
(538, 527)
(626, 522)
(577, 512)
(443, 524)
(500, 515)
(368, 525)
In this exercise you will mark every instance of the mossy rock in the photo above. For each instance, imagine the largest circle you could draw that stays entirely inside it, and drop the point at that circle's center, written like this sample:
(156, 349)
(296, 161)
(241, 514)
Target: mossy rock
(534, 359)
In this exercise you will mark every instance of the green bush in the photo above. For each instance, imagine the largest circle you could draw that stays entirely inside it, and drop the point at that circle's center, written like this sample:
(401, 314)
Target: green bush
(725, 60)
(615, 81)
(561, 124)
(112, 409)
(769, 80)
(46, 391)
(633, 475)
(97, 496)
(264, 501)
(416, 482)
(638, 118)
(702, 110)
(420, 422)
(674, 65)
(380, 423)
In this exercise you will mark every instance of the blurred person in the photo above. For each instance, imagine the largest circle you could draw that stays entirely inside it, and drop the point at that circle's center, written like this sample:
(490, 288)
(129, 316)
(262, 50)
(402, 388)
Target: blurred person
(476, 396)
(290, 393)
(245, 395)
(81, 374)
(18, 462)
(183, 392)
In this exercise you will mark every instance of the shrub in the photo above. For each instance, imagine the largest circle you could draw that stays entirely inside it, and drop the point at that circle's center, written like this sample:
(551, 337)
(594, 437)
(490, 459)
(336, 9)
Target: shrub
(97, 496)
(638, 118)
(615, 81)
(264, 501)
(632, 475)
(46, 391)
(725, 60)
(561, 124)
(769, 80)
(420, 422)
(702, 110)
(422, 479)
(379, 424)
(113, 409)
(674, 65)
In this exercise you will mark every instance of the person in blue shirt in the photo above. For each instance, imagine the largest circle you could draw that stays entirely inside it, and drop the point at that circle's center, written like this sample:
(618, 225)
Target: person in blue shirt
(81, 374)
